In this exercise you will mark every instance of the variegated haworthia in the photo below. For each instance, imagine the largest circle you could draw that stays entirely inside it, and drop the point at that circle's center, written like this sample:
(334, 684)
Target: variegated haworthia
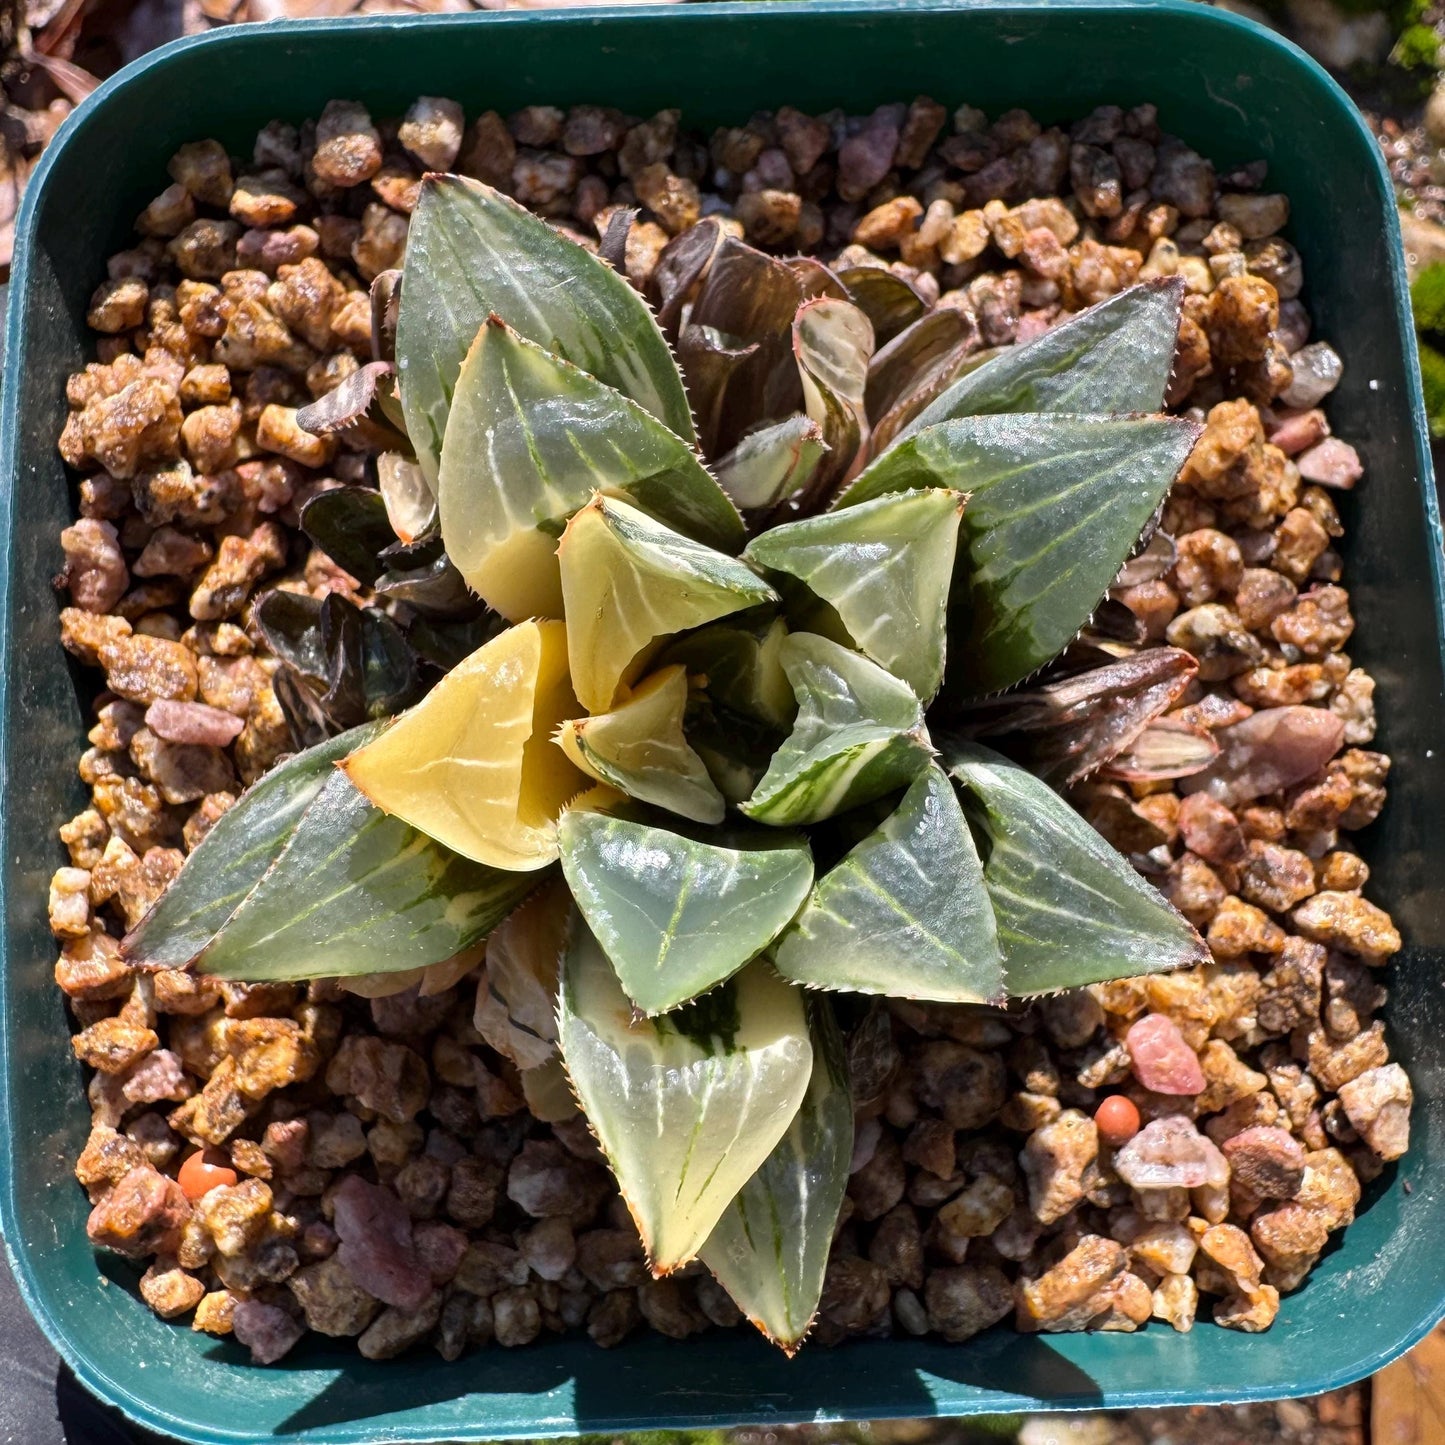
(688, 620)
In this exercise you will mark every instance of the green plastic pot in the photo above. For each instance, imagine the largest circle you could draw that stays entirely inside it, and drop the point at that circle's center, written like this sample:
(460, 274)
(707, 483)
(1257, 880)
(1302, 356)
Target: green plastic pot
(1235, 91)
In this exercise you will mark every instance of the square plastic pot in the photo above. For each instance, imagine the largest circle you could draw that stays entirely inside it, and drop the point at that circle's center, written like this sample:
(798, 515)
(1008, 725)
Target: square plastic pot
(1232, 90)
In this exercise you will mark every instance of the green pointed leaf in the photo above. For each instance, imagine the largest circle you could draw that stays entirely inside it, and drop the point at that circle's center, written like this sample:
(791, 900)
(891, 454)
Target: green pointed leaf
(234, 855)
(770, 1248)
(885, 568)
(1055, 506)
(686, 1106)
(739, 664)
(1070, 909)
(629, 581)
(677, 915)
(833, 344)
(356, 890)
(640, 748)
(1114, 357)
(905, 913)
(472, 252)
(859, 734)
(530, 439)
(770, 465)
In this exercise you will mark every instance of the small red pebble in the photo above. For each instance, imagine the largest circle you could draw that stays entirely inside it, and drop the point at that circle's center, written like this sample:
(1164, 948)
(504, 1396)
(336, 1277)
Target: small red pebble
(1161, 1060)
(1117, 1120)
(203, 1171)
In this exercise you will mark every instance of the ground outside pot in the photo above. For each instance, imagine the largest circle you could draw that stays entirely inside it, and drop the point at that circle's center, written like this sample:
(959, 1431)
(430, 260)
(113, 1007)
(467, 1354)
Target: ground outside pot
(1231, 89)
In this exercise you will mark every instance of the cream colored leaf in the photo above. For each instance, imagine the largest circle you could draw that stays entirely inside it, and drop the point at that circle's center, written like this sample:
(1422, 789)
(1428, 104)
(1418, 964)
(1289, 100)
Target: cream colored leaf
(628, 583)
(688, 1106)
(640, 749)
(473, 765)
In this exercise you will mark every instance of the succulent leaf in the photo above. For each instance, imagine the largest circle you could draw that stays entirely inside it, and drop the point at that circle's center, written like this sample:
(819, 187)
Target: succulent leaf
(358, 891)
(736, 349)
(1070, 910)
(885, 567)
(628, 582)
(516, 1010)
(1068, 729)
(1114, 357)
(473, 764)
(833, 344)
(682, 264)
(547, 1092)
(345, 405)
(432, 586)
(741, 665)
(411, 504)
(529, 440)
(234, 855)
(770, 465)
(1055, 505)
(686, 1106)
(639, 748)
(290, 624)
(859, 734)
(350, 525)
(899, 368)
(905, 913)
(428, 981)
(1167, 748)
(471, 253)
(889, 302)
(676, 914)
(770, 1248)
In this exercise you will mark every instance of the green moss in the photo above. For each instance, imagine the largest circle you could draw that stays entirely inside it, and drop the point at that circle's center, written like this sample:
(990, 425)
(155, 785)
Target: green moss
(1417, 48)
(1427, 299)
(1432, 373)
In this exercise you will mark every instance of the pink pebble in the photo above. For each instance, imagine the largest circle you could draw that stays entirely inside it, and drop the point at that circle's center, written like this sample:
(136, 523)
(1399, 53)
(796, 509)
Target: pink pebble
(1332, 463)
(193, 722)
(1297, 431)
(1163, 1062)
(377, 1248)
(267, 1330)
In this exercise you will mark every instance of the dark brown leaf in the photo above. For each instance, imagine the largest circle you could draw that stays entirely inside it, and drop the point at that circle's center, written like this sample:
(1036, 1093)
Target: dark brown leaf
(1165, 749)
(681, 266)
(1067, 730)
(890, 302)
(613, 246)
(348, 403)
(385, 299)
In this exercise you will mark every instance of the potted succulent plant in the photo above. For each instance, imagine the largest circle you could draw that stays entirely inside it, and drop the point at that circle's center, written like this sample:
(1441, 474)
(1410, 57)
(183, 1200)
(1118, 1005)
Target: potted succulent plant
(715, 726)
(702, 647)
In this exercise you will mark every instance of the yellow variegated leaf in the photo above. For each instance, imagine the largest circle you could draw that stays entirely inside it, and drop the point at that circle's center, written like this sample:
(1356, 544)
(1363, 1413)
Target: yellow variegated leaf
(529, 439)
(686, 1106)
(639, 748)
(628, 582)
(473, 765)
(770, 1249)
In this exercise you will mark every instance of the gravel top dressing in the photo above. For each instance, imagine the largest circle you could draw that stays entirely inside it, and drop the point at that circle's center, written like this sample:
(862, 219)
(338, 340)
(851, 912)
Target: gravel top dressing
(255, 573)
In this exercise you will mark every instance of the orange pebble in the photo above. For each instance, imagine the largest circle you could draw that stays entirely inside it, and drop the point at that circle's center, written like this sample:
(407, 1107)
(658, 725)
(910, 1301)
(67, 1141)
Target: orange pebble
(203, 1171)
(1117, 1119)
